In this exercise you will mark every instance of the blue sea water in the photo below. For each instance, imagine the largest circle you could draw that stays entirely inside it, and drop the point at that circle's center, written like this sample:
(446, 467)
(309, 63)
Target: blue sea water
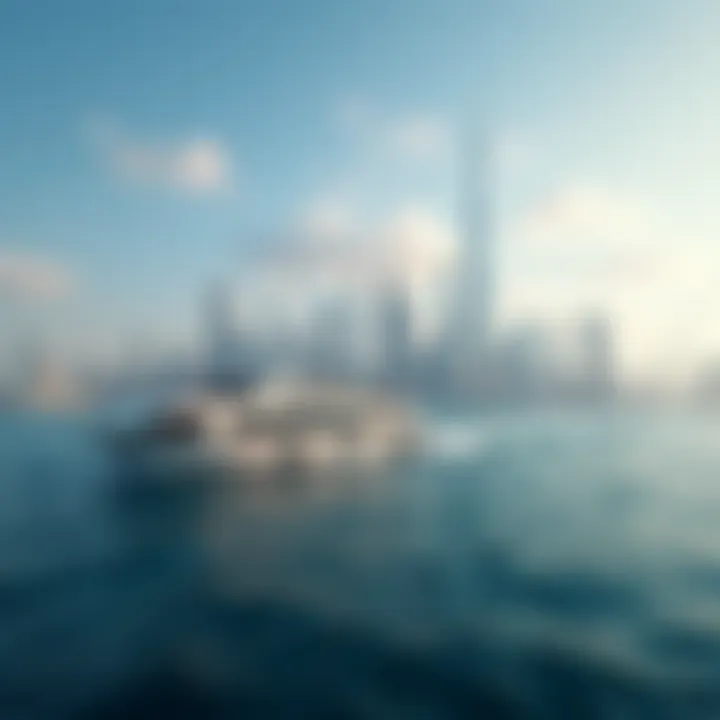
(560, 565)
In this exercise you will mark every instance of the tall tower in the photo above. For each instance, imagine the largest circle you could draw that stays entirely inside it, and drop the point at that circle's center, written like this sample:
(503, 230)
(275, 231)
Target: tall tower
(397, 335)
(598, 360)
(473, 283)
(228, 366)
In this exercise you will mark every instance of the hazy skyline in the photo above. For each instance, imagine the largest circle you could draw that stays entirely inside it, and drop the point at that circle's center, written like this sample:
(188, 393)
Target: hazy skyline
(145, 145)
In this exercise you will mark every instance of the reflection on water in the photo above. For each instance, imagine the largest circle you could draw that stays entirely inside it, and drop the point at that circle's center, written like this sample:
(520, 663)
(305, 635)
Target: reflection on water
(564, 567)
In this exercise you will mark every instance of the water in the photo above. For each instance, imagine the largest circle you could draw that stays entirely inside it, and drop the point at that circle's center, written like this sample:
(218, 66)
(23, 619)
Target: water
(545, 566)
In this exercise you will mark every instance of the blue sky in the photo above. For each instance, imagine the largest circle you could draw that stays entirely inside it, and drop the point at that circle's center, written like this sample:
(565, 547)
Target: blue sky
(146, 145)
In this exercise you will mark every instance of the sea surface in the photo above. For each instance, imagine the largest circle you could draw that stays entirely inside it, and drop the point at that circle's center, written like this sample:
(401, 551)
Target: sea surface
(546, 565)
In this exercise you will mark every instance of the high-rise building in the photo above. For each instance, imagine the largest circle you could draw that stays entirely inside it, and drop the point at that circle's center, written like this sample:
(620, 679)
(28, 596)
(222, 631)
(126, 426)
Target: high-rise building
(522, 367)
(332, 338)
(397, 336)
(469, 326)
(598, 357)
(228, 361)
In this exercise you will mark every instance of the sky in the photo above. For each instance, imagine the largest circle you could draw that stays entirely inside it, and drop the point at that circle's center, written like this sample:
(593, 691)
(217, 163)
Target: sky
(149, 148)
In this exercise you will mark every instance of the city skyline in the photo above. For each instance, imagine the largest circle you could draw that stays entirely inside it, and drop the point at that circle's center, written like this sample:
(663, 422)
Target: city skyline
(357, 319)
(143, 151)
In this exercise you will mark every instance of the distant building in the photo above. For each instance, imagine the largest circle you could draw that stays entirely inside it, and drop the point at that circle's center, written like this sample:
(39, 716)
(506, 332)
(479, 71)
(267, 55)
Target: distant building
(570, 362)
(332, 352)
(468, 335)
(706, 388)
(597, 349)
(229, 362)
(522, 365)
(397, 336)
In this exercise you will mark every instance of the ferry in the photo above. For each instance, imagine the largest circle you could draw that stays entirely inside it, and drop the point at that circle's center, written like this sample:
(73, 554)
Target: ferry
(297, 427)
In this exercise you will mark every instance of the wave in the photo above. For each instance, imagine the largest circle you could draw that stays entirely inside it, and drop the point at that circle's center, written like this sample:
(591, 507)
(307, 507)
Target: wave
(457, 440)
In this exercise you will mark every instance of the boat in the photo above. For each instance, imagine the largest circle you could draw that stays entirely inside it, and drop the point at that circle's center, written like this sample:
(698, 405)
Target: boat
(297, 427)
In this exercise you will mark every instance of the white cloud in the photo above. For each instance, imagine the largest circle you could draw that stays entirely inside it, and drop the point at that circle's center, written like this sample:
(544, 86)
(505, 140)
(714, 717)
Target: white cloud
(25, 276)
(328, 218)
(585, 242)
(586, 216)
(336, 250)
(590, 248)
(198, 166)
(424, 136)
(417, 137)
(336, 244)
(419, 244)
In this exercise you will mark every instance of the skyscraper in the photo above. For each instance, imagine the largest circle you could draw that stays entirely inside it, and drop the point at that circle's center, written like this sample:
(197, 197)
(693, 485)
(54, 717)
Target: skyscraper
(334, 335)
(598, 360)
(397, 335)
(228, 363)
(471, 297)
